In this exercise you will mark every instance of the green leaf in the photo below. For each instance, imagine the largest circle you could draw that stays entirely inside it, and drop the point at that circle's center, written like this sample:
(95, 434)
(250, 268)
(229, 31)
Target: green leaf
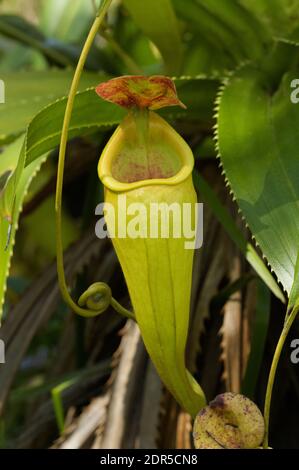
(156, 18)
(278, 16)
(246, 28)
(226, 25)
(39, 230)
(224, 217)
(56, 394)
(26, 93)
(258, 144)
(101, 370)
(199, 21)
(197, 94)
(202, 56)
(8, 163)
(294, 294)
(90, 112)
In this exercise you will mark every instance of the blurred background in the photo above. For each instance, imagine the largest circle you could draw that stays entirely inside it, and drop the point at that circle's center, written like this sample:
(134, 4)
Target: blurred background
(70, 382)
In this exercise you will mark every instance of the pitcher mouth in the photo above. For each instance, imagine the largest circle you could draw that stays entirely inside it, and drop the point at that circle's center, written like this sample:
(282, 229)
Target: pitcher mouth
(183, 153)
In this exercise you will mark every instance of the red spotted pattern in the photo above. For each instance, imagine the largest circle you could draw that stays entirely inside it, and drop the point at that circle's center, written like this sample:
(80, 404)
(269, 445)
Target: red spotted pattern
(137, 91)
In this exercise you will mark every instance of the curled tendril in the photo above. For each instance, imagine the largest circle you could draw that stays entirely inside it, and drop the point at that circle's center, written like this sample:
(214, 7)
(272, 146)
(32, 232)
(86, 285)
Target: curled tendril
(98, 297)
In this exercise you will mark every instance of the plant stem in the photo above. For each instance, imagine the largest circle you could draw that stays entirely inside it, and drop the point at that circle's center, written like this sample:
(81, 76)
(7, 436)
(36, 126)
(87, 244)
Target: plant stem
(103, 290)
(286, 328)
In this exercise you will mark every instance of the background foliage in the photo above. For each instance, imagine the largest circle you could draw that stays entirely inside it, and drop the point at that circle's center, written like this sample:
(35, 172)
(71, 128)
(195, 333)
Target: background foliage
(233, 62)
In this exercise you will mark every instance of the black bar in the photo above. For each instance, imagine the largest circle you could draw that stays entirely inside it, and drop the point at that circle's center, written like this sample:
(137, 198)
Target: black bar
(144, 458)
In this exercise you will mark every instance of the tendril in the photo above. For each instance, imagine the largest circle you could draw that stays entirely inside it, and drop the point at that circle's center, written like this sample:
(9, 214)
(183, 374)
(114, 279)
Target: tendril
(98, 297)
(283, 336)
